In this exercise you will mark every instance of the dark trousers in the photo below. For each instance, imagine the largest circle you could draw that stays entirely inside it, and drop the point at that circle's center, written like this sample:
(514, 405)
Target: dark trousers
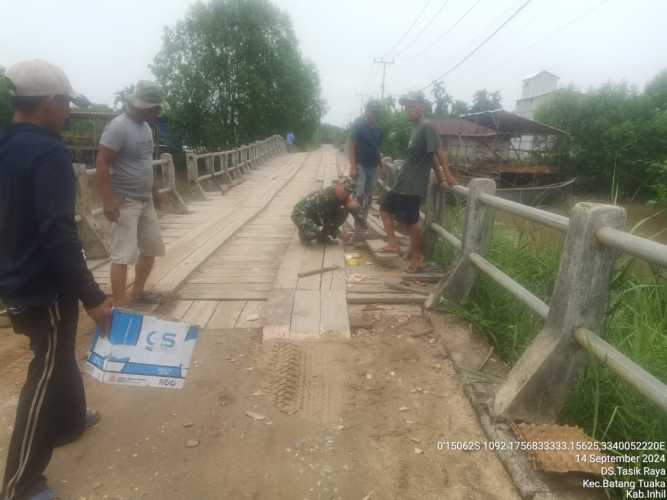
(52, 406)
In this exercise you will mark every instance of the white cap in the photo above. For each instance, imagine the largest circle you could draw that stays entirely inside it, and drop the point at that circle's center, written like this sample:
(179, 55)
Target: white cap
(38, 78)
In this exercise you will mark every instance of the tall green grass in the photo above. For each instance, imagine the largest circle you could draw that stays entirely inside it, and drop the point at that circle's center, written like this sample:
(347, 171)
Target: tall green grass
(636, 324)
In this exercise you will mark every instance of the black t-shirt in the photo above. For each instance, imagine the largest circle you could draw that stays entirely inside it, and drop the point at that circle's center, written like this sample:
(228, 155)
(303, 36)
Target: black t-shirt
(40, 251)
(367, 140)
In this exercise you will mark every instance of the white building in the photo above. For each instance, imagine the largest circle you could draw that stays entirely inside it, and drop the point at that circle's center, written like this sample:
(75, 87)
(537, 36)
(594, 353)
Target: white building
(537, 89)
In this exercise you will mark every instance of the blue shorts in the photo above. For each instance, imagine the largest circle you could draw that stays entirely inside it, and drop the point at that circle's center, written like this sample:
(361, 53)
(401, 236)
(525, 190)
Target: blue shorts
(404, 207)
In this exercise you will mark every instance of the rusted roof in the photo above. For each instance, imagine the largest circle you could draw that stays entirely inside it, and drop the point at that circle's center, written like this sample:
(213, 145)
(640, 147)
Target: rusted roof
(506, 123)
(458, 127)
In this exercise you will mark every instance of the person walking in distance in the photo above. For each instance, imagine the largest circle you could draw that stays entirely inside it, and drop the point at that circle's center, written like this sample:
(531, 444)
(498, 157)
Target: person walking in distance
(129, 193)
(364, 157)
(43, 273)
(402, 202)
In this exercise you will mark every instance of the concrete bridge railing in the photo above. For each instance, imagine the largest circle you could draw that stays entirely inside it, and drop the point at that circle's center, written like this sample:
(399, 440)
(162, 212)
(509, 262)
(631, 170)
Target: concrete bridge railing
(538, 384)
(216, 169)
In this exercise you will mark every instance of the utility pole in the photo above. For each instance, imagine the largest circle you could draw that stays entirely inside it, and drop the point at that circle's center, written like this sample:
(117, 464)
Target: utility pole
(384, 63)
(363, 101)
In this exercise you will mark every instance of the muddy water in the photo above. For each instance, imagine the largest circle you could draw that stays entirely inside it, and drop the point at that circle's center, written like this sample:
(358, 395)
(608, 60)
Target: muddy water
(655, 227)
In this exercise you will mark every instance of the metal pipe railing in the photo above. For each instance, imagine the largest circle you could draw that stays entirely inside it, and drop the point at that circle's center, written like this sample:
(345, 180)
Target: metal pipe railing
(554, 221)
(522, 294)
(636, 246)
(633, 374)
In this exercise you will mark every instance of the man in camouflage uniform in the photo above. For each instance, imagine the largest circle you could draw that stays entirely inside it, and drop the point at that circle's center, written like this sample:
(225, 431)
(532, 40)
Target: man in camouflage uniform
(319, 215)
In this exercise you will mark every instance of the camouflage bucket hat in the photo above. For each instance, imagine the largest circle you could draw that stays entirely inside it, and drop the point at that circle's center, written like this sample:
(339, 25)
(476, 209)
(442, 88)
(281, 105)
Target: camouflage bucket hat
(146, 95)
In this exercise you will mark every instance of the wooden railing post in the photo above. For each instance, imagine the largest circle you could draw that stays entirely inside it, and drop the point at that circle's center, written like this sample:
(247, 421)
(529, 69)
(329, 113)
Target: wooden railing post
(538, 384)
(476, 236)
(193, 175)
(171, 180)
(92, 234)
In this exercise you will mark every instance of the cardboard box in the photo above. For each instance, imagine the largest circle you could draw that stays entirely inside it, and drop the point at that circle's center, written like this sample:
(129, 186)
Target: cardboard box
(143, 351)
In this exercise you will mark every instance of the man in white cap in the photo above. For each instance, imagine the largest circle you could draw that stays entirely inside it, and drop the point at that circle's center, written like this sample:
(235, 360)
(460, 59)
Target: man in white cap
(425, 154)
(43, 274)
(129, 193)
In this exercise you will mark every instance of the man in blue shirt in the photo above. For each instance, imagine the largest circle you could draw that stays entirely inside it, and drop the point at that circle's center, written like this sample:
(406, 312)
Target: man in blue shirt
(43, 274)
(364, 156)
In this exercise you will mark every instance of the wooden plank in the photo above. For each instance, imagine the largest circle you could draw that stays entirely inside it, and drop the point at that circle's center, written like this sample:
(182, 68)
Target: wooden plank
(334, 255)
(210, 279)
(178, 274)
(384, 298)
(306, 315)
(251, 316)
(278, 314)
(175, 310)
(226, 314)
(383, 258)
(230, 293)
(200, 312)
(312, 258)
(291, 264)
(334, 317)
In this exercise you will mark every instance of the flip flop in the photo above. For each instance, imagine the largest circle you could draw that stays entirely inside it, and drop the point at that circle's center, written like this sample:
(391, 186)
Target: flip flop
(415, 267)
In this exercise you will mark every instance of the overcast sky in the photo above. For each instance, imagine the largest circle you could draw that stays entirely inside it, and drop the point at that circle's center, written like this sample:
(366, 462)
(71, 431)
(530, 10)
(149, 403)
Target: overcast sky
(105, 45)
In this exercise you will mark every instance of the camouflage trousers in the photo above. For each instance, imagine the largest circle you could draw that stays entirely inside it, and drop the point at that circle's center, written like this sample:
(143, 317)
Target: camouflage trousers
(310, 230)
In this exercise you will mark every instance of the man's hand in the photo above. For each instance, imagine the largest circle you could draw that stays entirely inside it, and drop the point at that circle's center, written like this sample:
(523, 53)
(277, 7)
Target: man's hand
(112, 209)
(157, 201)
(344, 236)
(101, 315)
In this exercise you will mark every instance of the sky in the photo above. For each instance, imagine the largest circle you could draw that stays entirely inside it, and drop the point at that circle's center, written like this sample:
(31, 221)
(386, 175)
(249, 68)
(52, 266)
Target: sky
(105, 45)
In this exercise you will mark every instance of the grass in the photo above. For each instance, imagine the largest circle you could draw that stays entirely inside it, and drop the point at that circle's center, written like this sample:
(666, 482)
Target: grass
(636, 324)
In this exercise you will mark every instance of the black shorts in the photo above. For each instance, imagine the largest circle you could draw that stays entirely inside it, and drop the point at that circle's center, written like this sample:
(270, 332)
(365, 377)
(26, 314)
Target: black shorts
(405, 207)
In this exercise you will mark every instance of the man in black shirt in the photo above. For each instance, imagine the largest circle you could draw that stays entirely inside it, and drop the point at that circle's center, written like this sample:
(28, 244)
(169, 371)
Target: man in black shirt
(364, 156)
(43, 273)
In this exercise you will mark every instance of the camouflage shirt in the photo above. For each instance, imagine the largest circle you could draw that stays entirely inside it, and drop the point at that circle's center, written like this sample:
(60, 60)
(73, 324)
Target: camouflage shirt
(319, 214)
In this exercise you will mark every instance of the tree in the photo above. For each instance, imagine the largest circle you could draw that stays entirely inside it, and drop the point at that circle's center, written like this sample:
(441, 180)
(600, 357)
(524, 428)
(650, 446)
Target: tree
(483, 100)
(120, 97)
(618, 136)
(5, 112)
(233, 73)
(443, 100)
(656, 90)
(459, 108)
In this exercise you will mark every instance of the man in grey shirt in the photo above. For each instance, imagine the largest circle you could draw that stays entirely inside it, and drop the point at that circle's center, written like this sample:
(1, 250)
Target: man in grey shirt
(129, 194)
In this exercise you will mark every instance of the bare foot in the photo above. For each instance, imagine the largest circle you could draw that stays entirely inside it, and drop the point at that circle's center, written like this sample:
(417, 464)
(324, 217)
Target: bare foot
(391, 249)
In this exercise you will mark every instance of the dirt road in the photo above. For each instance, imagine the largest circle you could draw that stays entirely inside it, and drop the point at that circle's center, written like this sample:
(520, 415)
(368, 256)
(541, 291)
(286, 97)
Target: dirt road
(356, 420)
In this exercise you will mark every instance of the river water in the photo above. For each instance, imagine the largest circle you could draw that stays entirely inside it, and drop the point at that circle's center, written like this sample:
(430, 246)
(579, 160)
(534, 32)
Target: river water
(654, 228)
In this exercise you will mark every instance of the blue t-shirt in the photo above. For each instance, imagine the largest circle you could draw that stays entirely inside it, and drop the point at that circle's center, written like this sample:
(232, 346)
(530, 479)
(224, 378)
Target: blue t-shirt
(367, 140)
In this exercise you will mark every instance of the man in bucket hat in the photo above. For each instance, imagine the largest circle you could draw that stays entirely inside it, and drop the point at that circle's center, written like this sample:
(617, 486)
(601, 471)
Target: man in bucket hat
(402, 202)
(43, 273)
(320, 215)
(129, 193)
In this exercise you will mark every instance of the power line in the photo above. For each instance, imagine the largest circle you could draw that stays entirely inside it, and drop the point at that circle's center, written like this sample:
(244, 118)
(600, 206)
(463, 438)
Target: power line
(427, 26)
(400, 40)
(439, 39)
(472, 52)
(547, 37)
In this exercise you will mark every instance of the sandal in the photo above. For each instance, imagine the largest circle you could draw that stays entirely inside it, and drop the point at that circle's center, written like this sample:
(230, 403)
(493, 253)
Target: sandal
(416, 267)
